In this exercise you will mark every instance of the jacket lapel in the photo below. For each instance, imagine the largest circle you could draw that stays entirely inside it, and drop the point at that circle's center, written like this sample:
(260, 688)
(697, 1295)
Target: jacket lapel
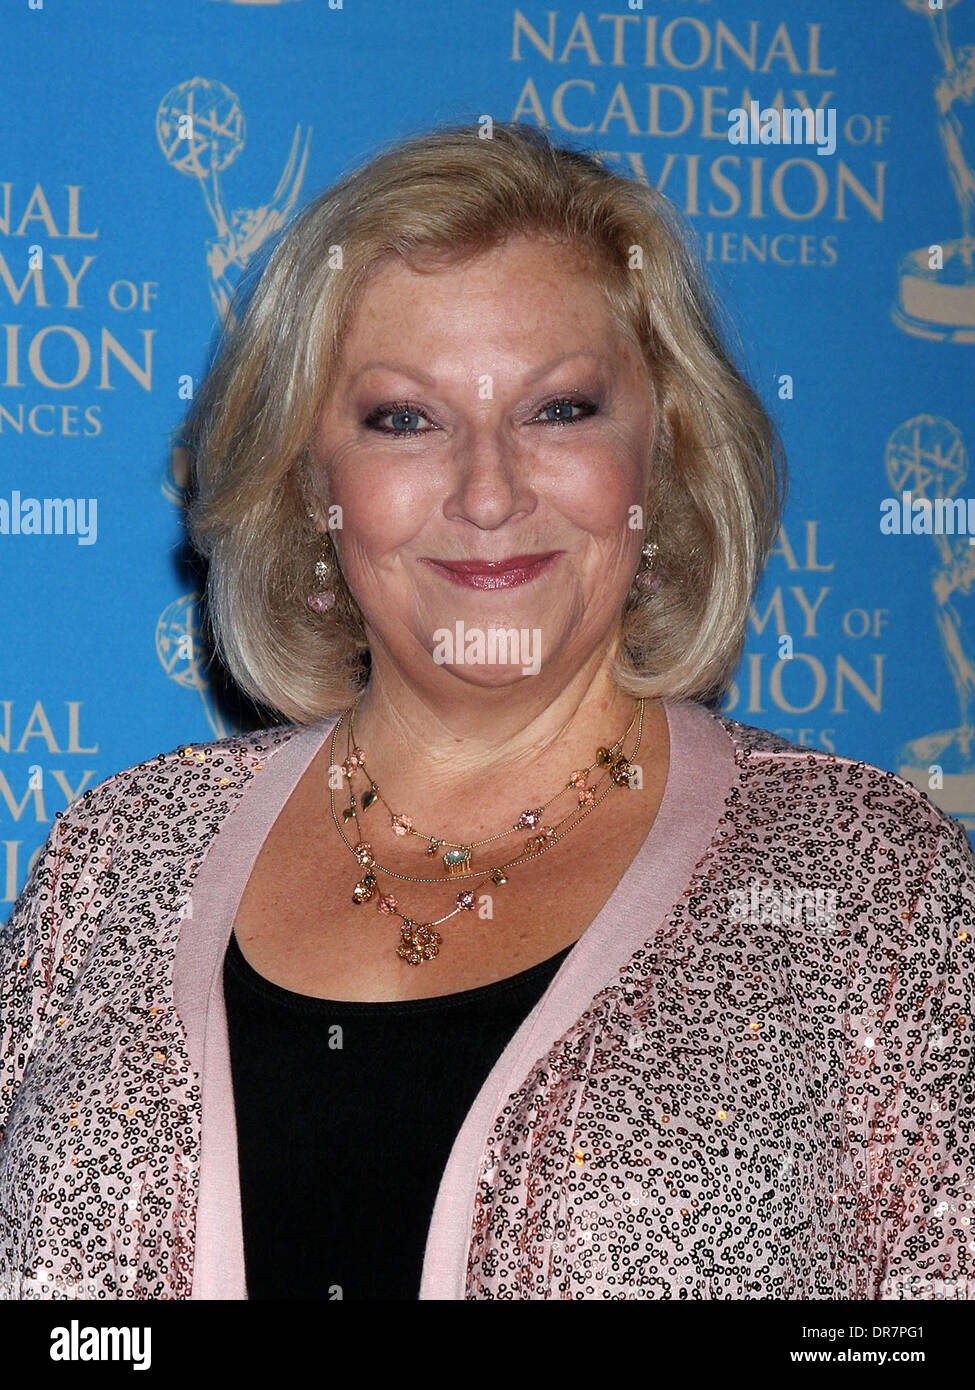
(702, 770)
(218, 1267)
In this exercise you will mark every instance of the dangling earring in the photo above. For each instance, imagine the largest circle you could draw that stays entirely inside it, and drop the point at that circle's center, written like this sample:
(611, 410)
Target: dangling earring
(323, 598)
(647, 580)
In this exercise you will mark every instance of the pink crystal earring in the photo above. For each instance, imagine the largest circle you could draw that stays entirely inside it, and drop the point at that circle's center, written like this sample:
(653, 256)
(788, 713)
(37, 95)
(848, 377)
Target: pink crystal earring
(647, 580)
(323, 597)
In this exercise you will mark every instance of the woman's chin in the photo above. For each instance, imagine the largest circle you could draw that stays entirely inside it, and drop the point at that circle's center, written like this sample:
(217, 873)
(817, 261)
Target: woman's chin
(490, 677)
(496, 653)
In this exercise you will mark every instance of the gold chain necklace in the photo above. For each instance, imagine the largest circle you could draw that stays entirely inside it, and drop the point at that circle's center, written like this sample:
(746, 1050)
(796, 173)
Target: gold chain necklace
(420, 941)
(458, 858)
(363, 851)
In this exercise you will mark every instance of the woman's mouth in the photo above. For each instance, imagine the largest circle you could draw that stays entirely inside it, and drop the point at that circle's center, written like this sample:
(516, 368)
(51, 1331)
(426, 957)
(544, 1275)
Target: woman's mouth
(494, 574)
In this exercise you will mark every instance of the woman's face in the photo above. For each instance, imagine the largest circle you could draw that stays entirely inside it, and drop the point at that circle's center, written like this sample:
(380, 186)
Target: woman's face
(440, 443)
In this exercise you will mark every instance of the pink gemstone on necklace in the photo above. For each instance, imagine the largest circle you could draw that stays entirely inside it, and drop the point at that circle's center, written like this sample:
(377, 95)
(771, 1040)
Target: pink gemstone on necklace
(578, 779)
(466, 901)
(387, 903)
(402, 825)
(528, 819)
(587, 796)
(539, 842)
(363, 851)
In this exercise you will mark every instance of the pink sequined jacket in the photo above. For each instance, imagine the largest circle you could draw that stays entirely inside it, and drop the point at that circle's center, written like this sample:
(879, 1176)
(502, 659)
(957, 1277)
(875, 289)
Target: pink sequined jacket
(720, 1095)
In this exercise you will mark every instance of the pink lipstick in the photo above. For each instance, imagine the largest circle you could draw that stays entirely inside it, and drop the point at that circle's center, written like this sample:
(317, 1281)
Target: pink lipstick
(494, 574)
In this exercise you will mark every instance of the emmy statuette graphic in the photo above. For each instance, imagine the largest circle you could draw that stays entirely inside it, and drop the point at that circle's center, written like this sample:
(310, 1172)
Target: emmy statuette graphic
(183, 655)
(926, 456)
(936, 283)
(201, 131)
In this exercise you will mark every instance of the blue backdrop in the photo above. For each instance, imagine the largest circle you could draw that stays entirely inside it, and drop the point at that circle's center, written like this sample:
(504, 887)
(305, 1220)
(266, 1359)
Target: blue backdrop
(123, 229)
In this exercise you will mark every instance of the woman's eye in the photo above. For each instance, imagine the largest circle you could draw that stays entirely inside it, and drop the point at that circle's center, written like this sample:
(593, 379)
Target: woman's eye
(563, 406)
(404, 417)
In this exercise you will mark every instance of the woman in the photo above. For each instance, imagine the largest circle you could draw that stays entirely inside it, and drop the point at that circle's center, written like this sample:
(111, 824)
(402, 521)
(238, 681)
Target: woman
(329, 1010)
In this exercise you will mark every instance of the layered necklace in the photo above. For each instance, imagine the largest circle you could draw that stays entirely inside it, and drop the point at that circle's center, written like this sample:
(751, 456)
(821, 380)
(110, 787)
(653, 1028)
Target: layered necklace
(420, 941)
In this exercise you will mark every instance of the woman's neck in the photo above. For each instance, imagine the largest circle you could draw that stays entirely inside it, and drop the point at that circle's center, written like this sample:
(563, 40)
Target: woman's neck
(482, 754)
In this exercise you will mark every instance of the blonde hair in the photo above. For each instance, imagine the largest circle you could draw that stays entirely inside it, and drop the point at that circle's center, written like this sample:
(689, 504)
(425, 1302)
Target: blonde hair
(718, 475)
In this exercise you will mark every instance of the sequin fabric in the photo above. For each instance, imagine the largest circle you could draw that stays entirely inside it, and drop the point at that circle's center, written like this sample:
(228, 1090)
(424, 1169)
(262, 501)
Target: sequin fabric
(99, 1105)
(762, 1111)
(752, 1109)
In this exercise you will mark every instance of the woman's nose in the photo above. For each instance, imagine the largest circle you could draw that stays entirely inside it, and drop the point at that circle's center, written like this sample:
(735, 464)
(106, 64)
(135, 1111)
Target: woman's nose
(490, 481)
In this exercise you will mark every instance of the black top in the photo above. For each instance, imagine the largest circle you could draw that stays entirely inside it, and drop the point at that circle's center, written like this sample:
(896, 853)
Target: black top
(346, 1115)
